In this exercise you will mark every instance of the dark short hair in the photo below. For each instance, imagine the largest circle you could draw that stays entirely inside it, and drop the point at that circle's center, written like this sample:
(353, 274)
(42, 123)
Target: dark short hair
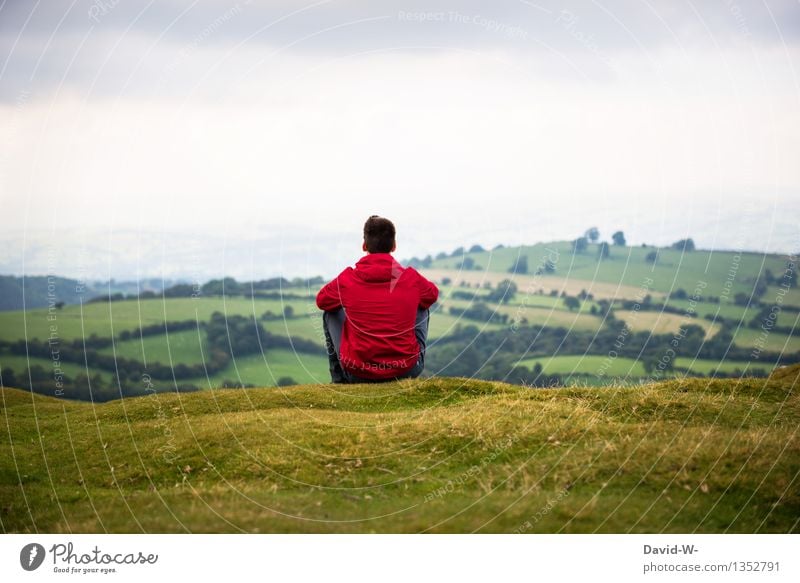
(379, 234)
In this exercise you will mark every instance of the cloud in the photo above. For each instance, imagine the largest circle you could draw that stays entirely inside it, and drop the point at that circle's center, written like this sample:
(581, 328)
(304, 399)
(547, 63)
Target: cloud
(469, 122)
(109, 46)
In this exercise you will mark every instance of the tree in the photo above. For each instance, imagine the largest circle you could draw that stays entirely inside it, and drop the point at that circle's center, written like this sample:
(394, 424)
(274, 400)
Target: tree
(503, 293)
(467, 263)
(790, 274)
(446, 281)
(215, 287)
(618, 238)
(741, 299)
(458, 252)
(651, 257)
(286, 381)
(572, 303)
(288, 312)
(592, 234)
(580, 244)
(520, 266)
(476, 249)
(649, 364)
(441, 255)
(603, 251)
(684, 245)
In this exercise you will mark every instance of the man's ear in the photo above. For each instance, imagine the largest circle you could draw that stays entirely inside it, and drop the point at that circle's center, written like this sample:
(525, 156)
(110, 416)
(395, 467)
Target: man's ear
(394, 246)
(364, 246)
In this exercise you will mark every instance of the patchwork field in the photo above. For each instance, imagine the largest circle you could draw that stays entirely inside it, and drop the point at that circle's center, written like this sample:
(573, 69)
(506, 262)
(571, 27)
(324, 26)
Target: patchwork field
(569, 314)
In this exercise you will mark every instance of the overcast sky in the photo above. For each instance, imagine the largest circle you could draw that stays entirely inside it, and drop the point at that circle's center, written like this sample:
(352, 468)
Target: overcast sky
(257, 137)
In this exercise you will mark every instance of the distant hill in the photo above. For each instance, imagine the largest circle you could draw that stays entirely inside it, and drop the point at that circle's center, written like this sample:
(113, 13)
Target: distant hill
(429, 455)
(621, 272)
(40, 291)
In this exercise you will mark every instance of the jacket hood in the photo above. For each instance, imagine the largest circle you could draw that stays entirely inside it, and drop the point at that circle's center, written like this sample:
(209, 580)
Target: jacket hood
(378, 267)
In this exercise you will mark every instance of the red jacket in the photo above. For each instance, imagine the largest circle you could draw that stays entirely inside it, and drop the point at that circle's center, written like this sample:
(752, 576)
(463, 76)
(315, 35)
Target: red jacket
(380, 298)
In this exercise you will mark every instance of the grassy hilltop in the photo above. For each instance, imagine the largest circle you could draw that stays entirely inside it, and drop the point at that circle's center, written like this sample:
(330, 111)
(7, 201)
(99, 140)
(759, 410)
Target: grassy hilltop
(433, 455)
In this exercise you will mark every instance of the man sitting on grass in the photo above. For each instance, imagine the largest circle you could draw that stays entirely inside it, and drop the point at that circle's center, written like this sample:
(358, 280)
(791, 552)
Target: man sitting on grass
(376, 314)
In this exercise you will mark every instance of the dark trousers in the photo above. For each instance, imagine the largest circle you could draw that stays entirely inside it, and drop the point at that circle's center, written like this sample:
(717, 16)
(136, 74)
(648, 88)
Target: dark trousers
(333, 324)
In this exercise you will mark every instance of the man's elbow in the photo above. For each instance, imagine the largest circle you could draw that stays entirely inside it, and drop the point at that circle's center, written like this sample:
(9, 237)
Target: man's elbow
(434, 294)
(323, 300)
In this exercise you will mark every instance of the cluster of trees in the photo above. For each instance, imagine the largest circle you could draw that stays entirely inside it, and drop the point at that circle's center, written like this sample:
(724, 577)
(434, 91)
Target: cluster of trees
(787, 278)
(227, 338)
(83, 386)
(592, 235)
(468, 264)
(503, 293)
(533, 377)
(286, 314)
(520, 266)
(480, 312)
(647, 305)
(767, 319)
(128, 371)
(491, 355)
(228, 286)
(240, 336)
(684, 245)
(158, 329)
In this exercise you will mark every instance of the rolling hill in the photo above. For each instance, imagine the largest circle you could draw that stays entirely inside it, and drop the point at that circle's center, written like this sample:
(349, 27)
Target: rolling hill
(575, 309)
(429, 455)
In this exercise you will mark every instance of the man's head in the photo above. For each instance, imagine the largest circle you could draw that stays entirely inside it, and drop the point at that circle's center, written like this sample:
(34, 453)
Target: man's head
(378, 235)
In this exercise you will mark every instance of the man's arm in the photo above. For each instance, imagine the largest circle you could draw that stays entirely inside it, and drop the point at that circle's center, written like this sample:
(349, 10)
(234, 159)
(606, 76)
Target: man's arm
(428, 292)
(329, 297)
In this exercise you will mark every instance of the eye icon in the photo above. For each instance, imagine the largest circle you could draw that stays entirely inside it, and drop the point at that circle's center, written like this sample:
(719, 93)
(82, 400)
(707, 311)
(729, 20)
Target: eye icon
(31, 556)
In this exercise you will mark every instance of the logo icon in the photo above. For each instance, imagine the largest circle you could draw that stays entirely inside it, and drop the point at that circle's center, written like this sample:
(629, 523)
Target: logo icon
(31, 556)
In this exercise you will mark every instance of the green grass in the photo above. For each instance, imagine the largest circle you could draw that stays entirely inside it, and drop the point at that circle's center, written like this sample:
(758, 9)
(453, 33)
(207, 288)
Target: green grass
(708, 366)
(789, 319)
(109, 319)
(587, 364)
(790, 297)
(553, 316)
(663, 322)
(724, 309)
(310, 327)
(258, 369)
(749, 337)
(622, 367)
(440, 455)
(185, 347)
(265, 369)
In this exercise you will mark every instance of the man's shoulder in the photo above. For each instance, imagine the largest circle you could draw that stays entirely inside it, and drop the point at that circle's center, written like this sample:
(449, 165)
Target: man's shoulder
(414, 272)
